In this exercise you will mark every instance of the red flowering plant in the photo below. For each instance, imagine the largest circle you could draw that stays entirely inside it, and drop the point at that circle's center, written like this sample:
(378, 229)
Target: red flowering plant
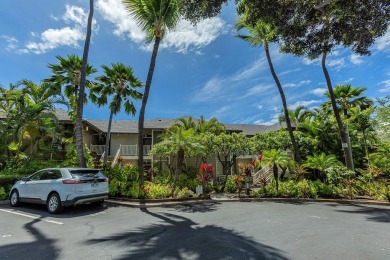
(205, 174)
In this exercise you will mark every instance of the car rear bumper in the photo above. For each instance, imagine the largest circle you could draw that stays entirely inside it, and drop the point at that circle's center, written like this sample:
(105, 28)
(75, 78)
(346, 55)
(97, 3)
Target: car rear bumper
(85, 199)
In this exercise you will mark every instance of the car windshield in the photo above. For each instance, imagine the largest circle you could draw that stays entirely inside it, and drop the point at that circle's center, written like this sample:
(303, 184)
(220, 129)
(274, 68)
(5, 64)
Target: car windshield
(87, 173)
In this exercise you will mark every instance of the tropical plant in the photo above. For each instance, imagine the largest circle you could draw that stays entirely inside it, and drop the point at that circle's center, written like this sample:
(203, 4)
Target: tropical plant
(227, 147)
(321, 162)
(314, 31)
(275, 159)
(155, 17)
(263, 33)
(119, 82)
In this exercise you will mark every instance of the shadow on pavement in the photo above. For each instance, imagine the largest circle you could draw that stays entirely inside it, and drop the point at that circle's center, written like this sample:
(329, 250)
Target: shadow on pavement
(376, 214)
(181, 238)
(195, 207)
(41, 248)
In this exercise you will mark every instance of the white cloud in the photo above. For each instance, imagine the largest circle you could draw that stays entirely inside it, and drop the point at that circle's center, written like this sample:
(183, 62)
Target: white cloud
(308, 61)
(185, 37)
(273, 120)
(383, 43)
(115, 12)
(386, 84)
(75, 15)
(70, 36)
(12, 42)
(319, 91)
(54, 38)
(356, 59)
(299, 84)
(337, 63)
(212, 90)
(304, 103)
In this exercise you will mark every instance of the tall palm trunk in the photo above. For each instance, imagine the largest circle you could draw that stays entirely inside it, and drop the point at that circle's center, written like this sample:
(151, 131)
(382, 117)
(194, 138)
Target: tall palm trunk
(108, 138)
(142, 114)
(80, 100)
(343, 136)
(297, 156)
(275, 170)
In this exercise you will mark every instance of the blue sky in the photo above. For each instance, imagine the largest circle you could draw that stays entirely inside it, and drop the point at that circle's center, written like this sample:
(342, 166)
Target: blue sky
(202, 70)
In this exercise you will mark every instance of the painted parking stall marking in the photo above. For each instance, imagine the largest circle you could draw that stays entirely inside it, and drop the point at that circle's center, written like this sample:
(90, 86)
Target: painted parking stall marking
(31, 216)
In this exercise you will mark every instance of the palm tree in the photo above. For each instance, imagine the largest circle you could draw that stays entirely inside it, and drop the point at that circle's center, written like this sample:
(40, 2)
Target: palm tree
(348, 97)
(155, 17)
(297, 116)
(80, 99)
(275, 159)
(67, 74)
(181, 141)
(119, 81)
(321, 162)
(259, 35)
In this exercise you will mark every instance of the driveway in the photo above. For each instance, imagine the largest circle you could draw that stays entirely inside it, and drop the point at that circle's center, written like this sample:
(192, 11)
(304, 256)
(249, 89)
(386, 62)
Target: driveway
(209, 230)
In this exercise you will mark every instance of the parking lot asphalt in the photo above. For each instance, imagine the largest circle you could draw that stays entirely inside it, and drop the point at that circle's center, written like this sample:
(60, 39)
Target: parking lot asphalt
(207, 230)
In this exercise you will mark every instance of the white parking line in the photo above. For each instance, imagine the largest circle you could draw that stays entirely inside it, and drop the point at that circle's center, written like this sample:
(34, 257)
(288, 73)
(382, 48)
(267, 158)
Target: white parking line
(31, 216)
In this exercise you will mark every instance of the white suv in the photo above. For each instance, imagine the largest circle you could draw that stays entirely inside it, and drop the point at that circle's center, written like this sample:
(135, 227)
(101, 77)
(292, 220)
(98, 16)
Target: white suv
(61, 187)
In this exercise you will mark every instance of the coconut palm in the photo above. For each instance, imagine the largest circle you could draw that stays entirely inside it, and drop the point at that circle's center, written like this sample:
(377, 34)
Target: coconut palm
(119, 82)
(155, 17)
(261, 34)
(276, 159)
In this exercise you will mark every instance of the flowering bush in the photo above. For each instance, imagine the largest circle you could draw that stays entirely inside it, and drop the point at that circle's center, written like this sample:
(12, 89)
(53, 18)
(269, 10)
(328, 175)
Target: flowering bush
(205, 175)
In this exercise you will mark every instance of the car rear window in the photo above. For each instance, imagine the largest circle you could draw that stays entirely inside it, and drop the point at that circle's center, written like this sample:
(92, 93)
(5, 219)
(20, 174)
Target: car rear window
(87, 173)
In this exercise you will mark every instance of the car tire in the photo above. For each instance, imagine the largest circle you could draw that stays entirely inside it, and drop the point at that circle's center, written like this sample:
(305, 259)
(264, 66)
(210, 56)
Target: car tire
(14, 199)
(54, 204)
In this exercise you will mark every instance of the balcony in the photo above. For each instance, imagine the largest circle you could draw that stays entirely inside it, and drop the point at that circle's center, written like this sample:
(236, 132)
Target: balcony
(125, 150)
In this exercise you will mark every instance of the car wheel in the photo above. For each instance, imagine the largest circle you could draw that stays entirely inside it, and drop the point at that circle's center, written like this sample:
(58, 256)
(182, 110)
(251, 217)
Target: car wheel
(14, 199)
(54, 204)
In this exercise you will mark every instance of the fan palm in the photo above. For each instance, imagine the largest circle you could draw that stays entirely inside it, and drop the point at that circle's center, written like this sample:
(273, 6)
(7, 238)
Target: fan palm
(297, 116)
(261, 34)
(348, 97)
(118, 81)
(155, 17)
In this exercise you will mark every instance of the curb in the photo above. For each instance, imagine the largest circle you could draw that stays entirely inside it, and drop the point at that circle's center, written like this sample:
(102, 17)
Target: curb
(139, 204)
(4, 202)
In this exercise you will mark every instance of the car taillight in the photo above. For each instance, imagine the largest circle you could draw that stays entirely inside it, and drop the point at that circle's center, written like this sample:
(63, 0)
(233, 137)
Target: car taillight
(73, 181)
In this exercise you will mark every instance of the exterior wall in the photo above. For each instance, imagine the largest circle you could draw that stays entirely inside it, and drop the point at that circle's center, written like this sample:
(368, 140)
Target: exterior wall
(124, 139)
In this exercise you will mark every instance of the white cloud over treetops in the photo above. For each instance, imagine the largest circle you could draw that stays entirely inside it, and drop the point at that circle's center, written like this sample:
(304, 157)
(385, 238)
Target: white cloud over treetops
(183, 38)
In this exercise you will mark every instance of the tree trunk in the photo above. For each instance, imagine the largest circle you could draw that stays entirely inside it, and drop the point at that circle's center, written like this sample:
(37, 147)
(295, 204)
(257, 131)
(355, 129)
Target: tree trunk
(80, 100)
(142, 115)
(179, 169)
(276, 175)
(343, 136)
(108, 139)
(297, 156)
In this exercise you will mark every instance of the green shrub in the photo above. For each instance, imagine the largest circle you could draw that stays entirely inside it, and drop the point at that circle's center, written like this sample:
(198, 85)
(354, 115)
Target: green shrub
(3, 194)
(164, 177)
(230, 185)
(335, 175)
(185, 181)
(157, 191)
(133, 191)
(121, 179)
(6, 181)
(30, 167)
(185, 193)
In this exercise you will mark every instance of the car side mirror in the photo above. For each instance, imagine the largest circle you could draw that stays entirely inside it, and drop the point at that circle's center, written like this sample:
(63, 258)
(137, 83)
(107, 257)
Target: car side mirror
(25, 179)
